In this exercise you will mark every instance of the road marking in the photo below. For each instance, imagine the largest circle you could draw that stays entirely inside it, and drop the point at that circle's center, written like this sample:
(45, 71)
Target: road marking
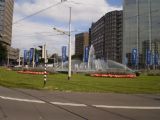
(22, 100)
(83, 105)
(128, 107)
(69, 104)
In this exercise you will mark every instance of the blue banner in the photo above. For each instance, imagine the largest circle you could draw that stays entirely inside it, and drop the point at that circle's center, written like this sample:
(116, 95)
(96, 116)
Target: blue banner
(25, 56)
(148, 57)
(31, 54)
(36, 58)
(86, 54)
(152, 59)
(156, 57)
(134, 56)
(64, 56)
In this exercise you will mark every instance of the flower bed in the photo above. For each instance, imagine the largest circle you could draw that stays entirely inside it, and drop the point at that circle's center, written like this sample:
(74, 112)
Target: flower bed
(31, 72)
(113, 75)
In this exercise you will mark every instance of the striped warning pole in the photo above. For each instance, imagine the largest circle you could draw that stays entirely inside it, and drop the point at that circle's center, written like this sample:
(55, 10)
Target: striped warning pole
(45, 66)
(45, 74)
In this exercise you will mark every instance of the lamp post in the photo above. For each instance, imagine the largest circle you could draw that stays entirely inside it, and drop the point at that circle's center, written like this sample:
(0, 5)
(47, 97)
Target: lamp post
(33, 61)
(19, 59)
(137, 42)
(69, 43)
(69, 46)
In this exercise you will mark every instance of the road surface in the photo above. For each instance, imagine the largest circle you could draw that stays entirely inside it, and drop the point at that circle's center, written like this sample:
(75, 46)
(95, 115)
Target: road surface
(22, 104)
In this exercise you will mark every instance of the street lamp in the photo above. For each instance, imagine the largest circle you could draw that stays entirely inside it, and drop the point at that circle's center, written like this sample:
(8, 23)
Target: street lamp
(69, 43)
(69, 49)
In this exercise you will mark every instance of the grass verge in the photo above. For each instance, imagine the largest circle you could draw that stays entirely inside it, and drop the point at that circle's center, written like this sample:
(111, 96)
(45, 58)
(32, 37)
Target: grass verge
(81, 83)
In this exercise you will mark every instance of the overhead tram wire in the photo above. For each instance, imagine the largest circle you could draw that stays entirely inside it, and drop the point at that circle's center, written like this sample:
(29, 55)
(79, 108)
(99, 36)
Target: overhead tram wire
(28, 36)
(33, 14)
(82, 3)
(42, 10)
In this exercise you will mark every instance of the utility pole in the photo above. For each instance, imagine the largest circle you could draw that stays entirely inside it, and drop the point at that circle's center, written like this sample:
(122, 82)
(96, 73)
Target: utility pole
(19, 59)
(69, 43)
(33, 61)
(150, 27)
(150, 35)
(69, 46)
(137, 46)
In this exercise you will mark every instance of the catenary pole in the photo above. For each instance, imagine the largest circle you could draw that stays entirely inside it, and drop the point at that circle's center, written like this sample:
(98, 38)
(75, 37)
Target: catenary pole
(137, 43)
(69, 48)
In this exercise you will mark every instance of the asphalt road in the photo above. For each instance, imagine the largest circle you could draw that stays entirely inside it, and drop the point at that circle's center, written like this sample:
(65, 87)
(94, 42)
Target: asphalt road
(21, 104)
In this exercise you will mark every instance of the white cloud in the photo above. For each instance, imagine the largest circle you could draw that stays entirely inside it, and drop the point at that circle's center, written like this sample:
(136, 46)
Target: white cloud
(28, 33)
(31, 34)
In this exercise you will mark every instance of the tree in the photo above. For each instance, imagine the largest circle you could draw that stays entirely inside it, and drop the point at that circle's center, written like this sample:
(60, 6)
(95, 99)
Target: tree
(3, 53)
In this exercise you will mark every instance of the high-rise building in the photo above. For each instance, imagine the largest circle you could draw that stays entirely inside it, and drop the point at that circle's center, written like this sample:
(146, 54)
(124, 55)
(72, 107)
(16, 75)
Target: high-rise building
(141, 30)
(81, 41)
(106, 36)
(6, 17)
(114, 35)
(97, 37)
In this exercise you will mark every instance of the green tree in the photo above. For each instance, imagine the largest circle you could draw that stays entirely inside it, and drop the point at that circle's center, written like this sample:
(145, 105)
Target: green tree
(3, 53)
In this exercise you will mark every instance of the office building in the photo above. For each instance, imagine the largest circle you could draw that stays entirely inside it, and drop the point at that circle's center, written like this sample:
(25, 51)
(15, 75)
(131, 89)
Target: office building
(141, 30)
(106, 36)
(6, 17)
(114, 35)
(97, 37)
(81, 41)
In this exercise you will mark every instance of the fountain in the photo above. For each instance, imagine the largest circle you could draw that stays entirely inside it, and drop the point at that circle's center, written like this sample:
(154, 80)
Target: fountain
(97, 66)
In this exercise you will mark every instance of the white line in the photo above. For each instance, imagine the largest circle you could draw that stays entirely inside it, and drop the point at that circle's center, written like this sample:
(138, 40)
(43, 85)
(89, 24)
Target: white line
(22, 100)
(69, 104)
(128, 107)
(83, 105)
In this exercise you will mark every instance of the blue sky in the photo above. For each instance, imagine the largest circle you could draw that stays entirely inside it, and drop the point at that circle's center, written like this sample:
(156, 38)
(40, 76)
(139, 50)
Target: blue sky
(83, 15)
(115, 2)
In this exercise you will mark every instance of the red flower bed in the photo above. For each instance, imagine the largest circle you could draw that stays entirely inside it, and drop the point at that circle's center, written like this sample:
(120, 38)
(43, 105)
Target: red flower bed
(31, 72)
(113, 75)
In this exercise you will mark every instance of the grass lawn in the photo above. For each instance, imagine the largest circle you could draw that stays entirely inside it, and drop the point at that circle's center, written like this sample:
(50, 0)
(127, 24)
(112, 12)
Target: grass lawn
(81, 83)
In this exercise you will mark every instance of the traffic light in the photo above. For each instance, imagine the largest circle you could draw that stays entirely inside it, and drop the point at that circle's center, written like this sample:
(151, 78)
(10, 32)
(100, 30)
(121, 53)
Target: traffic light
(42, 51)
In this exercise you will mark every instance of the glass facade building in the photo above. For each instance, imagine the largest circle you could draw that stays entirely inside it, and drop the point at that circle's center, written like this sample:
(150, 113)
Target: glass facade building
(141, 30)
